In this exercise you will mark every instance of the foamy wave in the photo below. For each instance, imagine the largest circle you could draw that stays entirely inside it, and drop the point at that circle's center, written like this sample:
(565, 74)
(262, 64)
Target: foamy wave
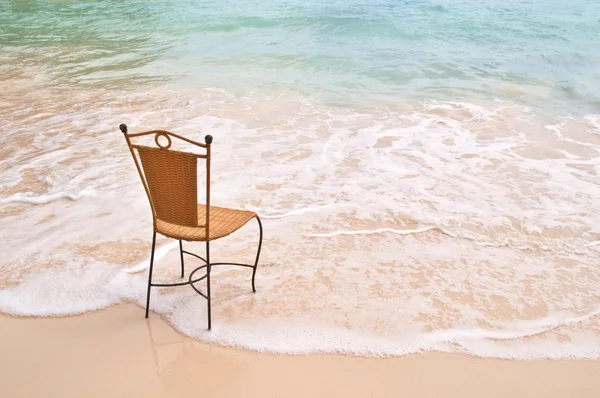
(516, 330)
(373, 232)
(467, 171)
(276, 338)
(43, 199)
(65, 293)
(159, 253)
(594, 120)
(296, 212)
(51, 293)
(580, 248)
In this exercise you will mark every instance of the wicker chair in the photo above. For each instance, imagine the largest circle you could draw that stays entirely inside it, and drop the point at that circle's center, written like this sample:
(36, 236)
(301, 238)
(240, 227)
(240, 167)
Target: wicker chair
(170, 180)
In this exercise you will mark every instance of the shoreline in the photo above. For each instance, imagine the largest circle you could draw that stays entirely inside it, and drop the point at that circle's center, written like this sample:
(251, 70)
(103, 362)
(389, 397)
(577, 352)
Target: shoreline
(116, 352)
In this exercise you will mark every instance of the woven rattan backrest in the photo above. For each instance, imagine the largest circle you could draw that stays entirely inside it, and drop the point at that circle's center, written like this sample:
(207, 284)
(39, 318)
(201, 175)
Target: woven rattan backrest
(172, 179)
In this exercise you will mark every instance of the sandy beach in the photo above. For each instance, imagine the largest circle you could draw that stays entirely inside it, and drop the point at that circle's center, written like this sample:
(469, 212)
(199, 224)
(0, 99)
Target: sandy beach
(118, 353)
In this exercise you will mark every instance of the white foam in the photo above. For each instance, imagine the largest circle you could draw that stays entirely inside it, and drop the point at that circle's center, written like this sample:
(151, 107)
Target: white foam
(577, 247)
(372, 232)
(60, 293)
(296, 212)
(318, 339)
(43, 199)
(517, 220)
(517, 330)
(159, 253)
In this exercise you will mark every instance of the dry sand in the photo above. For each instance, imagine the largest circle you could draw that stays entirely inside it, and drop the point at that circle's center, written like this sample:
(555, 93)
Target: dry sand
(118, 353)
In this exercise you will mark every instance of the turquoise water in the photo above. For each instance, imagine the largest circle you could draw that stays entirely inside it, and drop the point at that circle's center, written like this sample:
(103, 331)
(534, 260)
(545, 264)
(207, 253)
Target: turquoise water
(543, 54)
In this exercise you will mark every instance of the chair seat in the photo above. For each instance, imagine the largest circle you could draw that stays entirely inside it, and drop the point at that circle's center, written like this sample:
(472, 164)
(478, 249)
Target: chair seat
(223, 222)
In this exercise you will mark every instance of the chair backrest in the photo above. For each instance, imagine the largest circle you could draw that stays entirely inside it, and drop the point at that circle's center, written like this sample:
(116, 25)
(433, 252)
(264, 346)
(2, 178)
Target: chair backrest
(170, 177)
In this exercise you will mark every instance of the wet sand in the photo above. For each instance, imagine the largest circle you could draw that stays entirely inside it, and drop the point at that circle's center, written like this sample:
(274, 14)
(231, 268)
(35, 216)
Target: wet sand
(118, 353)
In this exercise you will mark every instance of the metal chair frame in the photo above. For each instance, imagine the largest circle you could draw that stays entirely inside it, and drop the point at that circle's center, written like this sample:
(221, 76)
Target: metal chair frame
(207, 264)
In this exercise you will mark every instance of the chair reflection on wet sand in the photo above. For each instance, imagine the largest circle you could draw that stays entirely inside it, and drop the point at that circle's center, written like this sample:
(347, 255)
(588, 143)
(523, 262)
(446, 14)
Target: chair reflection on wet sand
(170, 180)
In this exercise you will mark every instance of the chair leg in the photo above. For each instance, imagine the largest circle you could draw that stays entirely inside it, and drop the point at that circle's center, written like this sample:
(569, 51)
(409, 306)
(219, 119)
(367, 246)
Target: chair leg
(181, 254)
(150, 273)
(208, 280)
(257, 253)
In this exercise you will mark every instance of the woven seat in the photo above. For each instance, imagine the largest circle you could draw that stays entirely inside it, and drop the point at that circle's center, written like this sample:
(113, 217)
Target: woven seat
(170, 179)
(223, 222)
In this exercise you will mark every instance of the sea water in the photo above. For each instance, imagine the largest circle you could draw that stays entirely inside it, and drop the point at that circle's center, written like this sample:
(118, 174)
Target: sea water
(426, 170)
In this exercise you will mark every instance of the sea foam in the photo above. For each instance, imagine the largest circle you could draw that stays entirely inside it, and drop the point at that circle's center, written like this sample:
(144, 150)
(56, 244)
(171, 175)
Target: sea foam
(444, 226)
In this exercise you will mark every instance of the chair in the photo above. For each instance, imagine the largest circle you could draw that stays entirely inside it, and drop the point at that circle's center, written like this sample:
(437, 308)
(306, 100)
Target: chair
(170, 181)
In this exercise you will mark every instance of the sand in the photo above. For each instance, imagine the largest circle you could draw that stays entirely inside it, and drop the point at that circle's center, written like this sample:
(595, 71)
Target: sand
(118, 353)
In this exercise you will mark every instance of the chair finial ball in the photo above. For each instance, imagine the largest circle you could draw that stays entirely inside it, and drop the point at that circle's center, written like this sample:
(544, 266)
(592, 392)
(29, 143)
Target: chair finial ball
(208, 139)
(123, 128)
